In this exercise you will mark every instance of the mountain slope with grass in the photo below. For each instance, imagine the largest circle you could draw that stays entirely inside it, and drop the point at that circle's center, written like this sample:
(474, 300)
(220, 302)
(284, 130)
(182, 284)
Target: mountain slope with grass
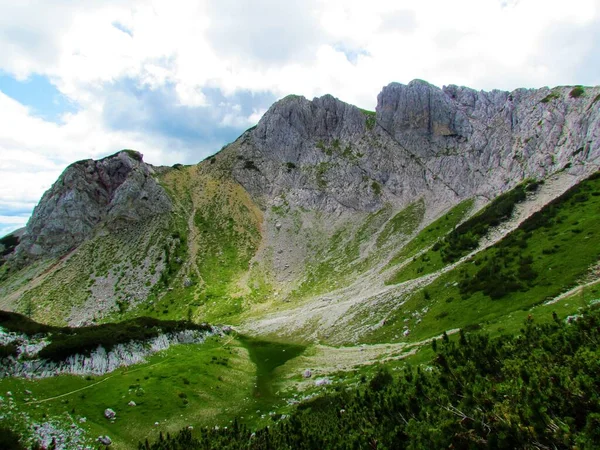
(333, 240)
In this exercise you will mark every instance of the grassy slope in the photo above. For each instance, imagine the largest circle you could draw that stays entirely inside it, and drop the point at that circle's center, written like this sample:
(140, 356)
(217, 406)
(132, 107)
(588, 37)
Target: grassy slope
(225, 229)
(562, 253)
(186, 385)
(199, 385)
(127, 257)
(356, 248)
(427, 237)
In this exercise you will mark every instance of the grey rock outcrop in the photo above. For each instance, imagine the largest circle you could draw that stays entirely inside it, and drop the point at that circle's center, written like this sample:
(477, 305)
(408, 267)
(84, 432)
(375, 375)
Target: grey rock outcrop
(105, 440)
(114, 191)
(444, 144)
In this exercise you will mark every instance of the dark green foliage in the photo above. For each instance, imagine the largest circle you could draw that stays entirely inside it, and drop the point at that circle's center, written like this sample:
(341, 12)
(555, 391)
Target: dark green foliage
(376, 188)
(509, 270)
(370, 119)
(249, 165)
(290, 166)
(576, 92)
(18, 323)
(596, 99)
(133, 154)
(86, 339)
(466, 236)
(9, 242)
(69, 341)
(9, 440)
(550, 97)
(8, 350)
(381, 379)
(536, 390)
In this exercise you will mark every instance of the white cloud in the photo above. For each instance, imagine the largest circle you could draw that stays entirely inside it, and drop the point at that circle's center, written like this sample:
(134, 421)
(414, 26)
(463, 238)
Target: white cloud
(205, 53)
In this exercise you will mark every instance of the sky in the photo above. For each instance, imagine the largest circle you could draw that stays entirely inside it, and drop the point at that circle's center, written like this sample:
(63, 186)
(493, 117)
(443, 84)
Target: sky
(177, 80)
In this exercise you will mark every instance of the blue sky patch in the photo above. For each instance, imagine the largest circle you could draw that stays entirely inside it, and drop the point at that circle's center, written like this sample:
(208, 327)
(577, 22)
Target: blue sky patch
(130, 106)
(39, 94)
(119, 26)
(351, 54)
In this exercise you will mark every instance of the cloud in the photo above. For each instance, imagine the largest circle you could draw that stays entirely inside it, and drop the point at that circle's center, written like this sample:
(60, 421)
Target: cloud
(176, 81)
(265, 32)
(403, 21)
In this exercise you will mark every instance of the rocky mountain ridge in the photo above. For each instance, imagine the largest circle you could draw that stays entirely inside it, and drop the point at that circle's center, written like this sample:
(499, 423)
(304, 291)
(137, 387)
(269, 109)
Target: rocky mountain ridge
(316, 186)
(449, 142)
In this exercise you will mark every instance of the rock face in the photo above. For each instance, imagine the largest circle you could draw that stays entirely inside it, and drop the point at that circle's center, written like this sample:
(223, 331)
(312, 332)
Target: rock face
(113, 191)
(446, 144)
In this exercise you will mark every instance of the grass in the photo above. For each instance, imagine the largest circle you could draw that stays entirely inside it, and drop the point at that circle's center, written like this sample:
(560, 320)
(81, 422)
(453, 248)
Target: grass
(548, 98)
(463, 238)
(216, 377)
(562, 248)
(121, 262)
(370, 119)
(577, 92)
(403, 223)
(340, 260)
(426, 238)
(199, 385)
(267, 356)
(226, 236)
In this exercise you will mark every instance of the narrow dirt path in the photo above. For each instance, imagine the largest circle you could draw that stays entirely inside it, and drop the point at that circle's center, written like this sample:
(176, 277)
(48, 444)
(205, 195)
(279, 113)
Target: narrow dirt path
(92, 385)
(193, 242)
(571, 292)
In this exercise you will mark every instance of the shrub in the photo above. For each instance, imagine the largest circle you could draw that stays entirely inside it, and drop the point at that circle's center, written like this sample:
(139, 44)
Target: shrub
(550, 97)
(249, 165)
(69, 341)
(576, 92)
(376, 187)
(7, 350)
(481, 392)
(381, 379)
(466, 236)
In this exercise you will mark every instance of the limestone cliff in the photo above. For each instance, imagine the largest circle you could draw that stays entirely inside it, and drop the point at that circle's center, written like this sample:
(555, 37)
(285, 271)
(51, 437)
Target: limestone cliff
(111, 192)
(447, 143)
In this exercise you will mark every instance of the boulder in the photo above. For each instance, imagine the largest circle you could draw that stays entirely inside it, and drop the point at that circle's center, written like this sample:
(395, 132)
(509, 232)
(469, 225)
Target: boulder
(109, 414)
(105, 440)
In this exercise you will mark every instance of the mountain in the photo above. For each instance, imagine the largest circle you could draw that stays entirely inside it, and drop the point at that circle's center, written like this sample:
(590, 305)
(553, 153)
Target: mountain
(319, 195)
(334, 240)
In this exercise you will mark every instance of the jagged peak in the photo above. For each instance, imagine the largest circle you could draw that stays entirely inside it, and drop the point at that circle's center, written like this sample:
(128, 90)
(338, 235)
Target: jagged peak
(133, 154)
